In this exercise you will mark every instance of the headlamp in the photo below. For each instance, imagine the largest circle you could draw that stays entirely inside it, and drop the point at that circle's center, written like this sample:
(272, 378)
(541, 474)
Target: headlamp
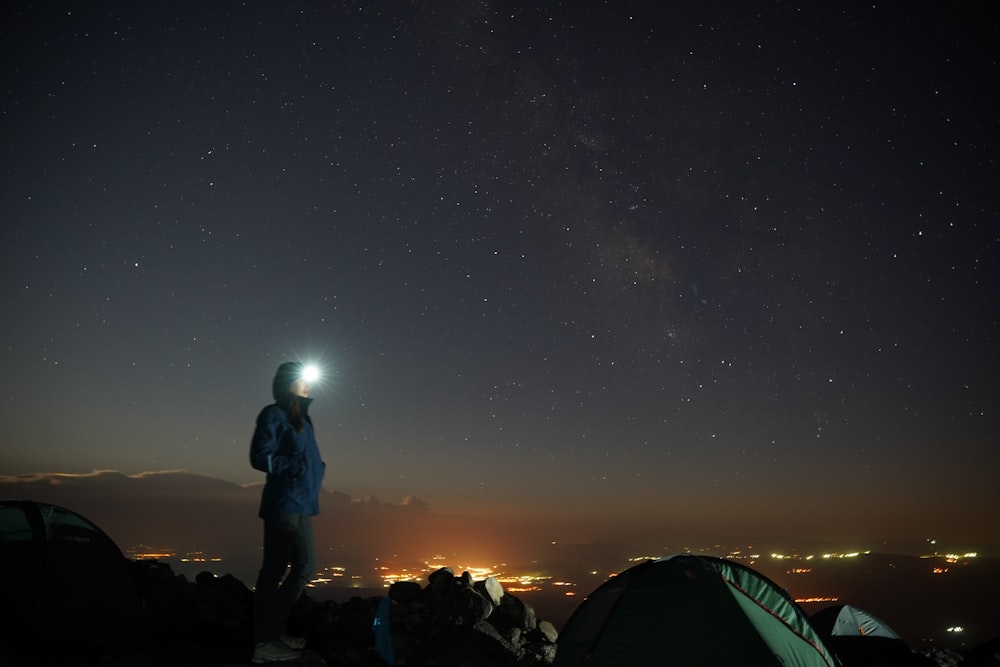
(310, 373)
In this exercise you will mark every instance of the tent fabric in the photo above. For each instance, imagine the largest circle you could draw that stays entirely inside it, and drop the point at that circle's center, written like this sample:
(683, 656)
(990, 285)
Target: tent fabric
(64, 578)
(690, 610)
(860, 639)
(850, 621)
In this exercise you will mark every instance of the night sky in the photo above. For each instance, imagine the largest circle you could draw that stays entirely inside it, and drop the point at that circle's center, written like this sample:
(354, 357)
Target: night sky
(728, 264)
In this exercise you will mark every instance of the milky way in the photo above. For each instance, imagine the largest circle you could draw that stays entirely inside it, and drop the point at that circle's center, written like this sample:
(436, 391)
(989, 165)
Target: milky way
(697, 267)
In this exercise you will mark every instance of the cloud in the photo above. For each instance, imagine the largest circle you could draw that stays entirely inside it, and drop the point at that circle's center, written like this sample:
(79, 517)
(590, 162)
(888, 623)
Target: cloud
(414, 503)
(182, 511)
(177, 507)
(188, 512)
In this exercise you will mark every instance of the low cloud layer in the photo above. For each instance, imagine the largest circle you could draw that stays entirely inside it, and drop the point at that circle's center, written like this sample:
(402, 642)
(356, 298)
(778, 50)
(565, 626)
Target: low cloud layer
(186, 511)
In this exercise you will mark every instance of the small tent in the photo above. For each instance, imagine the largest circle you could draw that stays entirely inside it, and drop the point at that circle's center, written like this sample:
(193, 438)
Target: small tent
(692, 611)
(64, 581)
(860, 639)
(846, 620)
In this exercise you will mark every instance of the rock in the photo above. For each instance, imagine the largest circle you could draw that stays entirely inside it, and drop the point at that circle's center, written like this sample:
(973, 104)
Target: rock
(442, 577)
(404, 592)
(491, 589)
(549, 631)
(223, 600)
(451, 621)
(463, 645)
(513, 613)
(456, 621)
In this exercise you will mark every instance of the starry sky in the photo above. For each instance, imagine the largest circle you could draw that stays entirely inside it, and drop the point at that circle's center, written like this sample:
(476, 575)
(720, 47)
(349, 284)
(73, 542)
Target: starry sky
(724, 264)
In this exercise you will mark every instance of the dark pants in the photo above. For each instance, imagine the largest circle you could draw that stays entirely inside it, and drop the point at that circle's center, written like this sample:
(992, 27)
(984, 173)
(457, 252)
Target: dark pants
(288, 541)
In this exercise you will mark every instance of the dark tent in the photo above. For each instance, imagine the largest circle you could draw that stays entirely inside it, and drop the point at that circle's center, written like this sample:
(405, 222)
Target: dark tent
(64, 582)
(860, 639)
(690, 610)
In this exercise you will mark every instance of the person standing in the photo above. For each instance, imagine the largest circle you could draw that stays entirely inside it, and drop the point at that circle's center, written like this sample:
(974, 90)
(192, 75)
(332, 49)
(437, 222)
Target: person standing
(284, 446)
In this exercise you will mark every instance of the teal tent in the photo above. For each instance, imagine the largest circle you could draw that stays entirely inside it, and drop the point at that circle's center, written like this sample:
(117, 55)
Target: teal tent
(692, 611)
(65, 583)
(860, 639)
(846, 620)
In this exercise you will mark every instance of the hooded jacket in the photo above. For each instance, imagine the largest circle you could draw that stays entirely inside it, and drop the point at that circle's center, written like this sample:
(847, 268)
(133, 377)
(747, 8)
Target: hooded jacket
(291, 460)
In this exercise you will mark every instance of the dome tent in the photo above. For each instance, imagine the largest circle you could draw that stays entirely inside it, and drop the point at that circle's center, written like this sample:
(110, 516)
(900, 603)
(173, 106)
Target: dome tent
(65, 581)
(690, 610)
(846, 620)
(860, 639)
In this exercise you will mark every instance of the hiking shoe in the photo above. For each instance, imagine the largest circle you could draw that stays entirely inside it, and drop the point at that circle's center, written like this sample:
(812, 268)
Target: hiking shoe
(265, 652)
(296, 643)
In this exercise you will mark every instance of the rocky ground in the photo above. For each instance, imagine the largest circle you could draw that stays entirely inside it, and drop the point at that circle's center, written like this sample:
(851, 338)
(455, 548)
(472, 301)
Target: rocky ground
(208, 623)
(451, 621)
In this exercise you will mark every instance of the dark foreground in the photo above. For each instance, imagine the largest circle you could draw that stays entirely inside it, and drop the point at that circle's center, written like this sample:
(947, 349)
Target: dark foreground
(452, 621)
(208, 623)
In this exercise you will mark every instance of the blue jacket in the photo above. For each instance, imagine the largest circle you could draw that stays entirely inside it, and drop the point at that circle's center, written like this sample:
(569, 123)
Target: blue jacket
(291, 460)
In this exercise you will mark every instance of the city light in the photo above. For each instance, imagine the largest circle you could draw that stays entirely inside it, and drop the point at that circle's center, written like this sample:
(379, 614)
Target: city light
(534, 578)
(826, 556)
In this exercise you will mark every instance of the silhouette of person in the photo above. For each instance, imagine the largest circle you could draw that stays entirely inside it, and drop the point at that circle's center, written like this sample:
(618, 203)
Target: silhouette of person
(284, 446)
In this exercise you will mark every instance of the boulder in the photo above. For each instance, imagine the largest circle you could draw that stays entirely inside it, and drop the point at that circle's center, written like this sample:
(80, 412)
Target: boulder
(491, 589)
(404, 592)
(223, 600)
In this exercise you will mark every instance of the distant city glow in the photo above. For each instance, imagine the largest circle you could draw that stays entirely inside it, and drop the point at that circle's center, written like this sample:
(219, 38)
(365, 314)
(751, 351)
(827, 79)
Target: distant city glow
(328, 575)
(529, 579)
(953, 557)
(144, 552)
(827, 556)
(152, 555)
